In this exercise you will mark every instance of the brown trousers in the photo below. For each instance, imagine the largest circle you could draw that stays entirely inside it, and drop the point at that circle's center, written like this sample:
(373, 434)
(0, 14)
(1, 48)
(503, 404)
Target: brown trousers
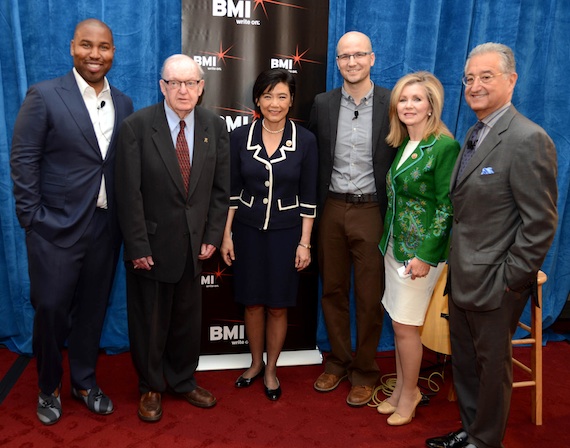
(348, 238)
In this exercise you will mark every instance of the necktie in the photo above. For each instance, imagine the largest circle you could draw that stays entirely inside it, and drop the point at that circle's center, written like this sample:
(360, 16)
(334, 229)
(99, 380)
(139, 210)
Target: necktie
(470, 147)
(183, 155)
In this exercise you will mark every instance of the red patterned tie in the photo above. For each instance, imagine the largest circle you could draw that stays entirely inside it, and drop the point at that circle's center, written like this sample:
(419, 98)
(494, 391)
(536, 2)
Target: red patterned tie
(183, 155)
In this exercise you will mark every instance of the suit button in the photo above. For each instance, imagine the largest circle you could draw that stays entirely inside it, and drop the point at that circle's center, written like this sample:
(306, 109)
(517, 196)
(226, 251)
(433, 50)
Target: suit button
(265, 200)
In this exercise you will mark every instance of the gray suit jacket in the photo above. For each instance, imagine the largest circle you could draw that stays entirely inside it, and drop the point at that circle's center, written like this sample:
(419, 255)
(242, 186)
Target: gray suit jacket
(504, 213)
(156, 216)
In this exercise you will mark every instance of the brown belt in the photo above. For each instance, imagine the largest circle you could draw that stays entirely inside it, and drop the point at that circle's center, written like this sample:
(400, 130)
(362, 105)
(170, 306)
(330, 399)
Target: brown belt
(354, 198)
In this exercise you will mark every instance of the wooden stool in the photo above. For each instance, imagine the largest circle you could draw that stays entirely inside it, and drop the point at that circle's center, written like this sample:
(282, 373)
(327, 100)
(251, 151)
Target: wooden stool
(535, 369)
(535, 340)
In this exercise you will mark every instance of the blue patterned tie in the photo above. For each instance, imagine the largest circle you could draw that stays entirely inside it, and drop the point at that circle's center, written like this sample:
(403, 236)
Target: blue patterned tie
(470, 147)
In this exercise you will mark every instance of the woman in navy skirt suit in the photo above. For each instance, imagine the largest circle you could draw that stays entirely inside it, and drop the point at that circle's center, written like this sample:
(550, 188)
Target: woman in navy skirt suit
(267, 238)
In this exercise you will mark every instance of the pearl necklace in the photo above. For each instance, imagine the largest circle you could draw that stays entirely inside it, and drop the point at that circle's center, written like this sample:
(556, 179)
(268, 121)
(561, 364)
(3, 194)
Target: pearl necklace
(269, 130)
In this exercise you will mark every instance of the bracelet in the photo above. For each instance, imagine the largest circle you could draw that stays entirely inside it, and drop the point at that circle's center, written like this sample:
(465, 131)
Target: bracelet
(306, 246)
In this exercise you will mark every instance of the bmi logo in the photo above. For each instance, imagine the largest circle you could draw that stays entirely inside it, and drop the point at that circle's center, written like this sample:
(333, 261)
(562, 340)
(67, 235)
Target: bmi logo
(292, 61)
(234, 334)
(212, 279)
(233, 123)
(209, 281)
(282, 63)
(208, 62)
(210, 59)
(241, 8)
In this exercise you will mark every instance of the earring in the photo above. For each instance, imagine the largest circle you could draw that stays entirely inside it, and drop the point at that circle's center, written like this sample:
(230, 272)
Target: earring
(429, 114)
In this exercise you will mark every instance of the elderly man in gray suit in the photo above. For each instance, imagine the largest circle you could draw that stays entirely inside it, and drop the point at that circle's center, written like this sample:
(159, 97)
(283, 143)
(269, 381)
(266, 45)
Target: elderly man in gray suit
(504, 198)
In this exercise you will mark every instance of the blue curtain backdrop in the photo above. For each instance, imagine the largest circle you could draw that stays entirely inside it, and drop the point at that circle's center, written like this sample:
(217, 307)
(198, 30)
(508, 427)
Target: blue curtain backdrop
(434, 35)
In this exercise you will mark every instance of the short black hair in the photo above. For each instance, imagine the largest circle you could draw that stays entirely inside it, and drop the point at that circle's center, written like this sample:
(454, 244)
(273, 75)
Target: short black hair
(269, 79)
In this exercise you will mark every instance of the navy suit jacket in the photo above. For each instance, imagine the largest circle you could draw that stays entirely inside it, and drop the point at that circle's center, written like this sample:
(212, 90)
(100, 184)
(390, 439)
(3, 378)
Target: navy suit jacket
(276, 192)
(57, 164)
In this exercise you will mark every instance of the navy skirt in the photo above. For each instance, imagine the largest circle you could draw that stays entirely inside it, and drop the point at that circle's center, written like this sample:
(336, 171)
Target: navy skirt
(264, 268)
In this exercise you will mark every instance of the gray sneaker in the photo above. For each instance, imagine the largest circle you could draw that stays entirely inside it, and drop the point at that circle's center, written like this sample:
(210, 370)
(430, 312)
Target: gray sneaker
(49, 407)
(95, 400)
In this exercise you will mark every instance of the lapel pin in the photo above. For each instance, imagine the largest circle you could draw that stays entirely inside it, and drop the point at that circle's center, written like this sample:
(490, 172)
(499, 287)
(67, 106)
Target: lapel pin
(414, 156)
(289, 143)
(205, 139)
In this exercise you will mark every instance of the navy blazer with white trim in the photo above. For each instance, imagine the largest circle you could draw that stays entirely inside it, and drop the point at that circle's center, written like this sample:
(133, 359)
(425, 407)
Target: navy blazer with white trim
(275, 192)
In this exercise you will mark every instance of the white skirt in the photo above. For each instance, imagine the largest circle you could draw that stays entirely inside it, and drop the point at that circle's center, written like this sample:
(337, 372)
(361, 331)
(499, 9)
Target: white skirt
(407, 300)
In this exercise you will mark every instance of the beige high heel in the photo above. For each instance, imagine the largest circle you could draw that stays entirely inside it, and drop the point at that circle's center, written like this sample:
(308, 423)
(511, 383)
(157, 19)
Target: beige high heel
(397, 420)
(386, 408)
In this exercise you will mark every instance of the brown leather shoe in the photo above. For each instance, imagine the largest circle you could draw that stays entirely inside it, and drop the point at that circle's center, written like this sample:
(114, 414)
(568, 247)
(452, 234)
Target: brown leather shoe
(359, 395)
(150, 407)
(328, 381)
(200, 397)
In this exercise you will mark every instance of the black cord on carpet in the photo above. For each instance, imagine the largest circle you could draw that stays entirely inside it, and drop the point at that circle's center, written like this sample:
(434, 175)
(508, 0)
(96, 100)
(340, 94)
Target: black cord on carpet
(12, 375)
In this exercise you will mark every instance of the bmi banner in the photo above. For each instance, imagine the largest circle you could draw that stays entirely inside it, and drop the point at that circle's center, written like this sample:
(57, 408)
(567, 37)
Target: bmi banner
(233, 41)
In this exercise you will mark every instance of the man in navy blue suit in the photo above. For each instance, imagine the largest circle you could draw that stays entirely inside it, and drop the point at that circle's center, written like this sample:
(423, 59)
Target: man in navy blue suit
(63, 156)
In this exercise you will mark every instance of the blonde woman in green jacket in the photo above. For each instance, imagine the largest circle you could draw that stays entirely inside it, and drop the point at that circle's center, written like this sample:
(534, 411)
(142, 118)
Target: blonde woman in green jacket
(417, 226)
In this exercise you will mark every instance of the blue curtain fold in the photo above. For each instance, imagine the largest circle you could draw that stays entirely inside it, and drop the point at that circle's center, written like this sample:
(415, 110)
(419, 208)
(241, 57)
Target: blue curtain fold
(407, 36)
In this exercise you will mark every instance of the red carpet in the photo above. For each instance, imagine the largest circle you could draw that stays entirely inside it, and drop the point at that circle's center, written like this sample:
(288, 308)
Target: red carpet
(245, 418)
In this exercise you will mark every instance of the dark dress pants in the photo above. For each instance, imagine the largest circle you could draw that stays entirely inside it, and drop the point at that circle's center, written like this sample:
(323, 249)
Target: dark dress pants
(69, 290)
(164, 328)
(482, 366)
(348, 237)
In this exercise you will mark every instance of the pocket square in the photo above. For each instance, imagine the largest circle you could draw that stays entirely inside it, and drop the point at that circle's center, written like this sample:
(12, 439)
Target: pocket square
(487, 170)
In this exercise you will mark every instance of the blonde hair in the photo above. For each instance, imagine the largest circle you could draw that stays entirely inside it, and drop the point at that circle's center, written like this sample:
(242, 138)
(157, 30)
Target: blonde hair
(434, 92)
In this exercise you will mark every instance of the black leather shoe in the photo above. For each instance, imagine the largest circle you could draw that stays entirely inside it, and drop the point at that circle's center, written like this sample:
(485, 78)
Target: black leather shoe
(273, 394)
(456, 439)
(246, 382)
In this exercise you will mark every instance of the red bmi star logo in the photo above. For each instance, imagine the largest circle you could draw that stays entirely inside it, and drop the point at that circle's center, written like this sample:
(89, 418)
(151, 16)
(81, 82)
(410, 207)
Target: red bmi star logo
(298, 57)
(262, 3)
(222, 54)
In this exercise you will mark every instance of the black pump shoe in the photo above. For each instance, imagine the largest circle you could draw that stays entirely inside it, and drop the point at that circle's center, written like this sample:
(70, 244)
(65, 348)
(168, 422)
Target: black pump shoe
(246, 382)
(273, 394)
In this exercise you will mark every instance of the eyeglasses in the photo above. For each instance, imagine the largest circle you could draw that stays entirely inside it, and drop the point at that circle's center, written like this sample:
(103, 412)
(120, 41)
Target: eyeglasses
(175, 85)
(358, 55)
(486, 78)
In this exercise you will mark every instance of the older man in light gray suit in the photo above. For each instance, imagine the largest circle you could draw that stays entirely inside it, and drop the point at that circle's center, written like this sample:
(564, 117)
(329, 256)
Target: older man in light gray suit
(504, 197)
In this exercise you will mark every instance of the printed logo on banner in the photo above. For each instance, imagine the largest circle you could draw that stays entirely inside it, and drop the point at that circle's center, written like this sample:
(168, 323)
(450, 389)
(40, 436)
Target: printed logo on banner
(235, 334)
(239, 118)
(212, 279)
(289, 62)
(241, 10)
(211, 60)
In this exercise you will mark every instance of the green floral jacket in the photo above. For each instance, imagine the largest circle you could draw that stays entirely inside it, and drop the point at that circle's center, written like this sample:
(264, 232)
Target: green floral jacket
(419, 211)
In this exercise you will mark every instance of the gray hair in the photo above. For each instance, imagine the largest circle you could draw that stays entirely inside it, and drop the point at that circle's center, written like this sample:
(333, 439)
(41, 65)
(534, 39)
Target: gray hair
(508, 64)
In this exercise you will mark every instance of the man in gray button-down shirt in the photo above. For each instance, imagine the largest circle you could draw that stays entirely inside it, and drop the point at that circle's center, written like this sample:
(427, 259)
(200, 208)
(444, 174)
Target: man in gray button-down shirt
(351, 124)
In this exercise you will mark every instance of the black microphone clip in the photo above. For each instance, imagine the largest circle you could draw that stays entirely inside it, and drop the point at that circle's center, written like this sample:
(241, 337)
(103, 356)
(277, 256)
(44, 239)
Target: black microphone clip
(101, 106)
(355, 115)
